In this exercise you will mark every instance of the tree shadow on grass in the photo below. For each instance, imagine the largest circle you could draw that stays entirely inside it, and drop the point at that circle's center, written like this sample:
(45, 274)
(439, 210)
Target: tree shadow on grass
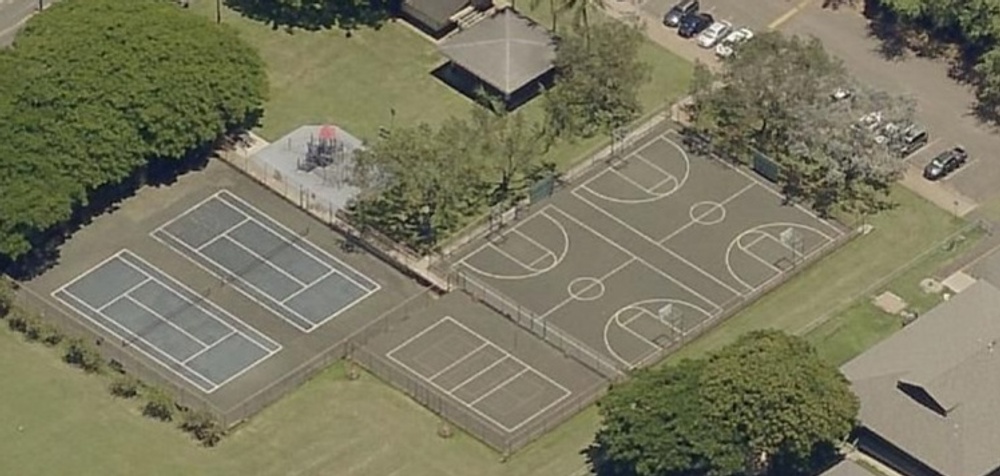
(315, 15)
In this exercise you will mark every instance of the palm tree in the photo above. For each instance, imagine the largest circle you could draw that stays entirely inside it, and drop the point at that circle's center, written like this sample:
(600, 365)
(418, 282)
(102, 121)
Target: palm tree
(581, 13)
(555, 8)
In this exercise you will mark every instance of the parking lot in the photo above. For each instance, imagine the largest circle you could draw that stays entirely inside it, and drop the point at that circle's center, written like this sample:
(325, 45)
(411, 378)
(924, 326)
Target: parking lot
(944, 106)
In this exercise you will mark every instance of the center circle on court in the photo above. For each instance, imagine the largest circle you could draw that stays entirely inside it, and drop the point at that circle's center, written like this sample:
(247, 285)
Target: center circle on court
(707, 213)
(585, 289)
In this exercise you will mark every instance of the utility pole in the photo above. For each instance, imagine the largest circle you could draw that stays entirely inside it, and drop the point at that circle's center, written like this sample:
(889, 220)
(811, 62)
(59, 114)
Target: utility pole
(218, 11)
(41, 5)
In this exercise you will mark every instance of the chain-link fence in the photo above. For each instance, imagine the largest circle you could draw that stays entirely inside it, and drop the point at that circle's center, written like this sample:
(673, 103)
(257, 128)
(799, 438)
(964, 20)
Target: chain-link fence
(151, 373)
(450, 409)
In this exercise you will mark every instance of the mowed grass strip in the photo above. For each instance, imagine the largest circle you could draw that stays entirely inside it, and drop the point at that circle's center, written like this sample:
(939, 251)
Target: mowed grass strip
(831, 286)
(356, 82)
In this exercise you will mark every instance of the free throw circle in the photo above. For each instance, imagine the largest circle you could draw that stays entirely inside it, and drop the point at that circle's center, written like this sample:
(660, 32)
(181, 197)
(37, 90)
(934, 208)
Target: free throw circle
(585, 289)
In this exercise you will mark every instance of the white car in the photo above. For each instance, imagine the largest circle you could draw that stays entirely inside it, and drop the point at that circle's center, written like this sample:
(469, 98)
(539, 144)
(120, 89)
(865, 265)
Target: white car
(714, 33)
(725, 48)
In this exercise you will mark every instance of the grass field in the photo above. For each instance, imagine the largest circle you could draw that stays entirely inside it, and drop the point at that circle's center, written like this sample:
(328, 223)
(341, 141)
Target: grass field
(326, 77)
(333, 426)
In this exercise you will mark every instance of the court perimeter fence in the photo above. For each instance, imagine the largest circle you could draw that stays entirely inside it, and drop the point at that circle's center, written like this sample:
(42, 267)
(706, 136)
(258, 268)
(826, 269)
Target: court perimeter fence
(185, 396)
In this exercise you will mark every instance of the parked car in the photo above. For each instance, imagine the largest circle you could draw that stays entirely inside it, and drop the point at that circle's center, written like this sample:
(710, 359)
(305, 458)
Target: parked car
(693, 24)
(726, 47)
(910, 139)
(685, 7)
(946, 163)
(714, 33)
(840, 94)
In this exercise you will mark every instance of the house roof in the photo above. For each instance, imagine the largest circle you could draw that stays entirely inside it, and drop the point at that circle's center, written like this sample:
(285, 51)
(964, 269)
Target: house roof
(440, 11)
(931, 389)
(847, 468)
(506, 50)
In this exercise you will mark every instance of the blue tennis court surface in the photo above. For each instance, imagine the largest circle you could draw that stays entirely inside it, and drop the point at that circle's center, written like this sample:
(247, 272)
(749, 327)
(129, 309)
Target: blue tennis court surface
(266, 261)
(151, 312)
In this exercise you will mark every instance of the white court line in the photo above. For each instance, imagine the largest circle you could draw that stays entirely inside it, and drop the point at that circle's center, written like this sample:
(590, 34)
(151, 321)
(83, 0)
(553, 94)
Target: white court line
(532, 264)
(374, 285)
(458, 361)
(655, 167)
(229, 275)
(637, 258)
(513, 258)
(654, 242)
(224, 234)
(216, 312)
(207, 348)
(636, 334)
(165, 321)
(477, 374)
(763, 261)
(266, 262)
(391, 355)
(761, 236)
(305, 288)
(213, 311)
(694, 221)
(767, 187)
(124, 294)
(129, 335)
(529, 239)
(601, 279)
(487, 244)
(499, 386)
(629, 180)
(652, 190)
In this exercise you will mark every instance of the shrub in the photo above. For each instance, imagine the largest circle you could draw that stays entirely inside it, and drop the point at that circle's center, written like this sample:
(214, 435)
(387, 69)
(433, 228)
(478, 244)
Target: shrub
(203, 426)
(159, 405)
(33, 327)
(51, 335)
(6, 297)
(81, 354)
(125, 386)
(17, 320)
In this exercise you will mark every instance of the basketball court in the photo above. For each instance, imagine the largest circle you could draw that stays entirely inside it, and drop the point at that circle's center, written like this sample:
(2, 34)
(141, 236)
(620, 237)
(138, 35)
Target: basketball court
(639, 254)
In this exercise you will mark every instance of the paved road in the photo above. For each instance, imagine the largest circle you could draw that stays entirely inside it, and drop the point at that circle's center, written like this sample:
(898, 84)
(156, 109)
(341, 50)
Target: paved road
(943, 105)
(13, 14)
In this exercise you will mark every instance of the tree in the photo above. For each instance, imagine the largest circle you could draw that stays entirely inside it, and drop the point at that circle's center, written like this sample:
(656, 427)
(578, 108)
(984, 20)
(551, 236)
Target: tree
(774, 96)
(597, 84)
(581, 11)
(317, 14)
(510, 146)
(423, 182)
(765, 404)
(83, 115)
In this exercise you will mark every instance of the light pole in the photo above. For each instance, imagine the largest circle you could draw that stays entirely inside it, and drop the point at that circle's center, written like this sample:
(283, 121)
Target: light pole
(218, 11)
(41, 5)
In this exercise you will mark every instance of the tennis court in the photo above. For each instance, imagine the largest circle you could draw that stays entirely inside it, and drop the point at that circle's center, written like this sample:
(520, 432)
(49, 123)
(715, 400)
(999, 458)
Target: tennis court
(640, 254)
(266, 261)
(479, 374)
(158, 316)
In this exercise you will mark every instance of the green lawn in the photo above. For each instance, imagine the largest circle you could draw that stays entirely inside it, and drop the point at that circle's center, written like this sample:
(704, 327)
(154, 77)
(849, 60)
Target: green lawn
(324, 76)
(831, 286)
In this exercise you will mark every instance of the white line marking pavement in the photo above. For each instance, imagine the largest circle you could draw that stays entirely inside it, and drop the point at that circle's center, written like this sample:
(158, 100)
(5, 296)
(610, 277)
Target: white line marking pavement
(499, 386)
(693, 221)
(458, 361)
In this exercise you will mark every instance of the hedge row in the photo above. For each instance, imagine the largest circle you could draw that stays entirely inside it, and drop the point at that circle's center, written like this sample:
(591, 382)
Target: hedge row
(157, 403)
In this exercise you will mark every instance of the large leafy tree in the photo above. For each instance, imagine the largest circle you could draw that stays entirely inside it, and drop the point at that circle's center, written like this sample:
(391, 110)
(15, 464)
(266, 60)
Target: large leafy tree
(597, 81)
(766, 404)
(317, 14)
(425, 183)
(93, 91)
(774, 96)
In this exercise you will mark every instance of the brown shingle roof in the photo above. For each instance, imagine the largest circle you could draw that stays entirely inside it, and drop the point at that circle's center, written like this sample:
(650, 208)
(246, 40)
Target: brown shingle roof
(949, 413)
(506, 50)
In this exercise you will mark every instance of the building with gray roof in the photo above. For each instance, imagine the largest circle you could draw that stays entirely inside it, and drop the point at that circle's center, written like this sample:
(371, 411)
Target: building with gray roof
(930, 394)
(507, 53)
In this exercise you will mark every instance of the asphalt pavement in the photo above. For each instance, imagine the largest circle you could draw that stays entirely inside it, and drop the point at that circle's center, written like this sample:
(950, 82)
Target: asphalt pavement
(944, 106)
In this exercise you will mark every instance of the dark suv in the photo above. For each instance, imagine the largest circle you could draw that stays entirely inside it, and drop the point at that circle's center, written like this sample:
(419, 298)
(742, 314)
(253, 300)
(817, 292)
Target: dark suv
(945, 163)
(674, 15)
(694, 23)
